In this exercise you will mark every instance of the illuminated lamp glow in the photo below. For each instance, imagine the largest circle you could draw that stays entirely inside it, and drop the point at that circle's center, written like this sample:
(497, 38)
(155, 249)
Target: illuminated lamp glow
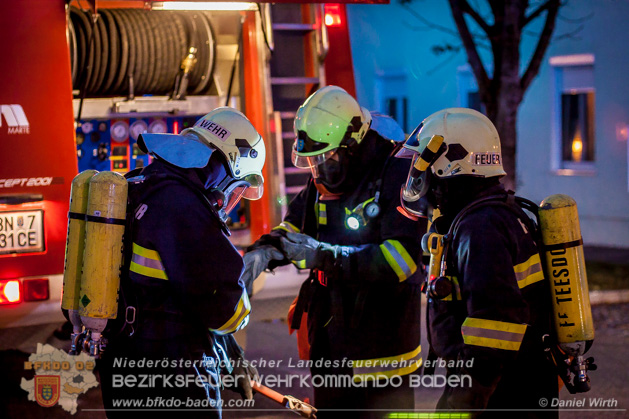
(10, 291)
(353, 223)
(332, 15)
(203, 5)
(577, 147)
(175, 127)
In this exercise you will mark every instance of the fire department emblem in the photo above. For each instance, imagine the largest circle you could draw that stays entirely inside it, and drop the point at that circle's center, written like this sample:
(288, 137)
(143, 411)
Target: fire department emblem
(47, 389)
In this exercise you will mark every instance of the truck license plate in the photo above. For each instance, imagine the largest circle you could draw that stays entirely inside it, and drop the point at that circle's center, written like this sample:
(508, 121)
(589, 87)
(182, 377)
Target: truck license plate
(21, 232)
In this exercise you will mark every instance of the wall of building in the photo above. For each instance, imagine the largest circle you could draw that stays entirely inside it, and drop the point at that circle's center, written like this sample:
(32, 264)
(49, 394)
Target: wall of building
(388, 41)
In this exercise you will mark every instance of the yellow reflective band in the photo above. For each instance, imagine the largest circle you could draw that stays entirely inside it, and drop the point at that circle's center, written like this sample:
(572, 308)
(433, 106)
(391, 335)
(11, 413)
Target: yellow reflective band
(398, 258)
(151, 272)
(493, 333)
(373, 369)
(242, 310)
(529, 272)
(286, 226)
(429, 415)
(301, 264)
(323, 215)
(147, 253)
(434, 143)
(421, 164)
(147, 262)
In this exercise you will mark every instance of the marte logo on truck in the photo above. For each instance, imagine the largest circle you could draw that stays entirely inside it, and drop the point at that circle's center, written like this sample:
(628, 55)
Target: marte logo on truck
(15, 119)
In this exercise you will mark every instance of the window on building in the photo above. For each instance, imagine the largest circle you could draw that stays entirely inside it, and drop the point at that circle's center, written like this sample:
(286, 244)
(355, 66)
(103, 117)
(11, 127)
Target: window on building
(474, 102)
(397, 108)
(577, 127)
(468, 94)
(574, 142)
(392, 96)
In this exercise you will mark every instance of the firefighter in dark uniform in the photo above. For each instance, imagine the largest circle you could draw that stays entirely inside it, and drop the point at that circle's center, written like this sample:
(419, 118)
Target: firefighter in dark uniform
(489, 306)
(362, 298)
(183, 296)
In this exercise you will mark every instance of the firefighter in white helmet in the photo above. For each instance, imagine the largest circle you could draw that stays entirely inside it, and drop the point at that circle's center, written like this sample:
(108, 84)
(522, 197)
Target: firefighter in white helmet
(361, 299)
(182, 296)
(488, 300)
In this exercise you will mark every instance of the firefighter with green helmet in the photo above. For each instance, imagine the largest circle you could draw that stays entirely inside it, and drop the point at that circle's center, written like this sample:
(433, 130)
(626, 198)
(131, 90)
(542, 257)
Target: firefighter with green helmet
(361, 300)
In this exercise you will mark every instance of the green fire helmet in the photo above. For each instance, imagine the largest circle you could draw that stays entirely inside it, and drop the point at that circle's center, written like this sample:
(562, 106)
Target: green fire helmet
(328, 120)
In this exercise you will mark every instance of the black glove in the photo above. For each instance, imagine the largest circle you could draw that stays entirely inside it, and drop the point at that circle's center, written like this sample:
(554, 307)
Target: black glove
(308, 253)
(257, 261)
(243, 373)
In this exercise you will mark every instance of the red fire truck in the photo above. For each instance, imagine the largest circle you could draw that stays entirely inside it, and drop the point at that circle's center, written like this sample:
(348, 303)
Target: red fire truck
(80, 80)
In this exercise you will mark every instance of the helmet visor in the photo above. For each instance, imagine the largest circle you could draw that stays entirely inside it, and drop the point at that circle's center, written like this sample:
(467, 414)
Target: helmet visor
(233, 196)
(417, 208)
(411, 145)
(417, 182)
(250, 187)
(255, 187)
(310, 162)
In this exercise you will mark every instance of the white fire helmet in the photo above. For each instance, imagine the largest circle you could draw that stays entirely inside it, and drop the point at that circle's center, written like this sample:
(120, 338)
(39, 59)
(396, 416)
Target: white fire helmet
(225, 130)
(230, 132)
(451, 142)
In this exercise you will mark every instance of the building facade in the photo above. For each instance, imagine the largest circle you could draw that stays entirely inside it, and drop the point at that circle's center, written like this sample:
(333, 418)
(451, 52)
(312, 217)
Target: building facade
(572, 123)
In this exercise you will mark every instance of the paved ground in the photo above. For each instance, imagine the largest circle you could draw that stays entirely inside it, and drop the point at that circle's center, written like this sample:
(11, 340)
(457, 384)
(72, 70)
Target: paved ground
(268, 339)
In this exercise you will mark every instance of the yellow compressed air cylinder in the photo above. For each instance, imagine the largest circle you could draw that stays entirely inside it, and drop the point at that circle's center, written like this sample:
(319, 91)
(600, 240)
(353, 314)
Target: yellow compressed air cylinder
(565, 270)
(75, 241)
(106, 213)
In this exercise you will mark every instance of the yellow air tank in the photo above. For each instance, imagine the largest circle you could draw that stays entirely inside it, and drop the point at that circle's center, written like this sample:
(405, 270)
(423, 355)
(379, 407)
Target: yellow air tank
(75, 244)
(100, 280)
(75, 240)
(565, 270)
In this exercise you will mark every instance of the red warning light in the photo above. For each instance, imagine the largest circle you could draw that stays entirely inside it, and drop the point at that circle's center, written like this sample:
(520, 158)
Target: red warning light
(175, 127)
(333, 15)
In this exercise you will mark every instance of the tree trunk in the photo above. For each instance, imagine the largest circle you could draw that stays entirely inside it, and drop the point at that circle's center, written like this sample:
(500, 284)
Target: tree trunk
(506, 124)
(502, 93)
(505, 90)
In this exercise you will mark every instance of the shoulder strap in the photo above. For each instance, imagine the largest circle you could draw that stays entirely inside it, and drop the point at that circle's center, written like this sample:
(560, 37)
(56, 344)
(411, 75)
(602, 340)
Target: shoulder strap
(128, 303)
(508, 200)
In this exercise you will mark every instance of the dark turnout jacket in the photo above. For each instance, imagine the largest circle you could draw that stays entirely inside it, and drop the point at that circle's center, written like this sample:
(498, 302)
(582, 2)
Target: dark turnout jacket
(494, 320)
(365, 305)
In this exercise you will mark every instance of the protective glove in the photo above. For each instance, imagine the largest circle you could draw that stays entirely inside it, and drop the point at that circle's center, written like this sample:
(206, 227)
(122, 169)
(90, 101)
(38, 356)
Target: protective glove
(256, 261)
(306, 252)
(243, 373)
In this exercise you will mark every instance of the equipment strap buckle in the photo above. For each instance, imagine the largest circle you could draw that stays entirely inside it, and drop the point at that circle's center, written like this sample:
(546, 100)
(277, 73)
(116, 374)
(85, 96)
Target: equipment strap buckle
(129, 318)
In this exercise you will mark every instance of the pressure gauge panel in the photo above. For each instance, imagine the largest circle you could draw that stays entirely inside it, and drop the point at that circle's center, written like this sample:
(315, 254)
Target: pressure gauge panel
(119, 131)
(158, 126)
(137, 128)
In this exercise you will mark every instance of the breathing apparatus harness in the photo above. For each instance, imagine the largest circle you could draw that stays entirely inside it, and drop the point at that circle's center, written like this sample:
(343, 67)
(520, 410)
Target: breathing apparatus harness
(370, 209)
(125, 323)
(439, 286)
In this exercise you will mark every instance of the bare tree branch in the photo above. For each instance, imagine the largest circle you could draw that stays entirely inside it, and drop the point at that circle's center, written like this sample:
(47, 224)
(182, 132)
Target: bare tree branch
(467, 8)
(569, 35)
(576, 19)
(429, 23)
(472, 54)
(542, 45)
(536, 13)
